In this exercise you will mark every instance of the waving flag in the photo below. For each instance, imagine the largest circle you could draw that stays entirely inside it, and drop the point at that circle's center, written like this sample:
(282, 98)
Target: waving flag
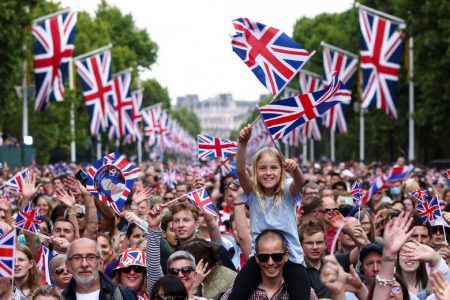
(7, 255)
(209, 147)
(201, 199)
(42, 263)
(122, 105)
(170, 178)
(429, 210)
(311, 129)
(284, 115)
(228, 166)
(380, 183)
(295, 137)
(150, 116)
(357, 192)
(345, 64)
(110, 180)
(52, 49)
(270, 54)
(15, 183)
(447, 173)
(399, 173)
(29, 219)
(420, 195)
(94, 73)
(380, 56)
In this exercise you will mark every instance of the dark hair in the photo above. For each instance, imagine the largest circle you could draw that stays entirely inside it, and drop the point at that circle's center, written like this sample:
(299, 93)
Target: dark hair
(130, 229)
(202, 249)
(361, 215)
(165, 221)
(309, 229)
(339, 183)
(271, 232)
(171, 285)
(417, 222)
(421, 272)
(57, 213)
(315, 203)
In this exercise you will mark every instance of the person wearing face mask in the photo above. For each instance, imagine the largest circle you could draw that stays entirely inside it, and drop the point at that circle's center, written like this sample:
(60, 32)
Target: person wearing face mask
(131, 272)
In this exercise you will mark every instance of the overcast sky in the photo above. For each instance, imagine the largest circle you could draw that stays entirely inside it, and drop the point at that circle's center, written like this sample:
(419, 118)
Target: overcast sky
(195, 55)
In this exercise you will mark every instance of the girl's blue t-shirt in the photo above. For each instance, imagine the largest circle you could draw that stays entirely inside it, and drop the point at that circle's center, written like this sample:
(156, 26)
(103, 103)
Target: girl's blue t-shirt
(282, 218)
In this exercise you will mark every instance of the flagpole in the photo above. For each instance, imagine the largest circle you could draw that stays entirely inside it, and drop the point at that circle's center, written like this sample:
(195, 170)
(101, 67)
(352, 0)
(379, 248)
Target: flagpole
(411, 152)
(361, 134)
(380, 13)
(24, 100)
(73, 154)
(90, 53)
(332, 146)
(178, 198)
(51, 15)
(311, 150)
(324, 44)
(99, 146)
(305, 149)
(139, 150)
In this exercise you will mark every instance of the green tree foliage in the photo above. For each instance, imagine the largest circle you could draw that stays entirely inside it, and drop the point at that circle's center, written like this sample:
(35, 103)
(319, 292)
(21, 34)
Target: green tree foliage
(188, 120)
(155, 93)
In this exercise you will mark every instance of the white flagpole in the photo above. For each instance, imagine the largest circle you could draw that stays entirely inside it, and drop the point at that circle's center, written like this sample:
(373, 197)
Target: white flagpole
(305, 150)
(361, 134)
(99, 146)
(139, 150)
(411, 152)
(25, 100)
(311, 149)
(332, 145)
(73, 153)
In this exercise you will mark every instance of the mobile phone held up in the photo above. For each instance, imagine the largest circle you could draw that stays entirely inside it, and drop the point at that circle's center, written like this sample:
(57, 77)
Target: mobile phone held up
(81, 176)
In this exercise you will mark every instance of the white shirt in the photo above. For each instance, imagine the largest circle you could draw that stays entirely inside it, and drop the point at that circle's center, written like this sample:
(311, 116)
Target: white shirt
(89, 296)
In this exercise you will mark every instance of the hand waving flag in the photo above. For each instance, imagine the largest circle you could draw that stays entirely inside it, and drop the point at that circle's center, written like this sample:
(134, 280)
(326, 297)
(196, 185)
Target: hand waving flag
(29, 219)
(201, 199)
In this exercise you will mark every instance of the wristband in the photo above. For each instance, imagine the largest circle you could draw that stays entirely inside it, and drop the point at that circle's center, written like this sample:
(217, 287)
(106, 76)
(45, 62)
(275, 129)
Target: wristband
(384, 282)
(238, 203)
(388, 258)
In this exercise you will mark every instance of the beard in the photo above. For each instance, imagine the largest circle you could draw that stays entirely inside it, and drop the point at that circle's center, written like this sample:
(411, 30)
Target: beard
(86, 280)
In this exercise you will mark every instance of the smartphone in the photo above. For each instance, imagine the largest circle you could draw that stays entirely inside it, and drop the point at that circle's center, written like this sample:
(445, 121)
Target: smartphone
(81, 176)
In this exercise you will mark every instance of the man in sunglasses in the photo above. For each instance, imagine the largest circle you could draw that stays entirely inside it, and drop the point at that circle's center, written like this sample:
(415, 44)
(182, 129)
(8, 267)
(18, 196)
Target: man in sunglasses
(83, 262)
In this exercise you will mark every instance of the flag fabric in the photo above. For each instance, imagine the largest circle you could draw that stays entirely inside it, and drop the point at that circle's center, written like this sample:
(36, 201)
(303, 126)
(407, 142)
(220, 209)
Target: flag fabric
(429, 210)
(295, 137)
(136, 117)
(162, 130)
(311, 129)
(284, 115)
(379, 183)
(7, 254)
(122, 105)
(29, 219)
(357, 192)
(420, 195)
(52, 51)
(380, 56)
(201, 199)
(110, 180)
(399, 173)
(209, 147)
(131, 257)
(150, 116)
(270, 54)
(42, 263)
(170, 178)
(15, 183)
(94, 73)
(447, 173)
(310, 82)
(228, 166)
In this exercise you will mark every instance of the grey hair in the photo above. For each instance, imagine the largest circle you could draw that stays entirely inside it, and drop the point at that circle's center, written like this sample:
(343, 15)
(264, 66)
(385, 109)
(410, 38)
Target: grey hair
(97, 247)
(57, 261)
(181, 254)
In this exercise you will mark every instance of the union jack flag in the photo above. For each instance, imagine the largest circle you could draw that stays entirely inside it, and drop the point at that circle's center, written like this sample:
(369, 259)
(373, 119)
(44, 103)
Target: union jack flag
(448, 173)
(420, 195)
(52, 49)
(29, 219)
(170, 178)
(42, 263)
(357, 192)
(346, 66)
(227, 166)
(284, 115)
(380, 183)
(399, 173)
(311, 129)
(272, 56)
(151, 122)
(429, 210)
(15, 183)
(94, 73)
(136, 116)
(131, 257)
(295, 137)
(162, 131)
(122, 106)
(311, 82)
(201, 199)
(209, 146)
(7, 254)
(110, 180)
(380, 55)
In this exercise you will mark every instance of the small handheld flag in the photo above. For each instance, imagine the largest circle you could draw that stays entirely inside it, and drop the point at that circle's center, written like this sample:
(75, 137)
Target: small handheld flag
(357, 192)
(420, 195)
(201, 199)
(29, 219)
(7, 249)
(210, 147)
(429, 210)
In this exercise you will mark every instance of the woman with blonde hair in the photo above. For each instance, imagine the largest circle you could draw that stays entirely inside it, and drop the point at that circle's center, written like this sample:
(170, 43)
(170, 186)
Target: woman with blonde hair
(26, 276)
(46, 293)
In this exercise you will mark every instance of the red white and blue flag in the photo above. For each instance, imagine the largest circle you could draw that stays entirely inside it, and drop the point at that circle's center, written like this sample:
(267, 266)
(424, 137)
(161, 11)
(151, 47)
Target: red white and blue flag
(227, 166)
(295, 137)
(311, 129)
(210, 147)
(52, 49)
(150, 116)
(380, 61)
(282, 116)
(429, 210)
(399, 173)
(136, 117)
(271, 55)
(380, 183)
(7, 254)
(42, 263)
(357, 192)
(420, 195)
(170, 178)
(131, 257)
(94, 73)
(120, 122)
(15, 183)
(447, 173)
(201, 199)
(110, 180)
(29, 219)
(346, 66)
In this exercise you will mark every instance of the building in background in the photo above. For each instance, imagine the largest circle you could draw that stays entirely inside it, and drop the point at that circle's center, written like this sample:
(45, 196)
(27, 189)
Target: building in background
(220, 115)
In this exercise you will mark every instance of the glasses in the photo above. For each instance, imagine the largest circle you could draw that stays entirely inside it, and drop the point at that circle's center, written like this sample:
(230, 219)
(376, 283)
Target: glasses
(79, 215)
(276, 257)
(234, 185)
(331, 209)
(59, 271)
(90, 258)
(168, 198)
(136, 269)
(396, 289)
(184, 270)
(164, 297)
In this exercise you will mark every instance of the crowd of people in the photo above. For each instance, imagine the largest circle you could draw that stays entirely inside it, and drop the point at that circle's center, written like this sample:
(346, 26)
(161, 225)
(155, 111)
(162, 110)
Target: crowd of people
(271, 239)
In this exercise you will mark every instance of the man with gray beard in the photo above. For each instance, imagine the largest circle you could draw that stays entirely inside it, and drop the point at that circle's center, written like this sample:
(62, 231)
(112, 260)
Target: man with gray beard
(88, 283)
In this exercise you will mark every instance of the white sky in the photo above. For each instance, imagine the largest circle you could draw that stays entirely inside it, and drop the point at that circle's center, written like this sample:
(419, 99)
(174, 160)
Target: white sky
(195, 55)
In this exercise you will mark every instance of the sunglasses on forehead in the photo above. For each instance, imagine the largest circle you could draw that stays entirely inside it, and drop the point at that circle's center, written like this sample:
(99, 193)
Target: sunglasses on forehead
(136, 269)
(276, 257)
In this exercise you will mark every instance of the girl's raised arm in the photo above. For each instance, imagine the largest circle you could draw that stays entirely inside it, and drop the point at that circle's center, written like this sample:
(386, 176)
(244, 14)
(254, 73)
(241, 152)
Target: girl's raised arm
(292, 168)
(244, 177)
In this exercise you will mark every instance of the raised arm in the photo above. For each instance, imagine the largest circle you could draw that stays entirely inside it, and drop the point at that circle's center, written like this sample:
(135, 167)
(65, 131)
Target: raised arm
(68, 200)
(241, 161)
(242, 226)
(292, 168)
(152, 251)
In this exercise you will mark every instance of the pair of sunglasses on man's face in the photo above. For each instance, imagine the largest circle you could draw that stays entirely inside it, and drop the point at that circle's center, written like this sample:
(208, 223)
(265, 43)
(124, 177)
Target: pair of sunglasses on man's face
(276, 257)
(184, 270)
(137, 269)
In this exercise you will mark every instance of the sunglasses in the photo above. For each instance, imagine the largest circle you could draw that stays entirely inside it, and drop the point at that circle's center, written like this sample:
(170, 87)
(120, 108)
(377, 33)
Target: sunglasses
(80, 215)
(276, 257)
(164, 297)
(396, 290)
(137, 269)
(184, 270)
(59, 271)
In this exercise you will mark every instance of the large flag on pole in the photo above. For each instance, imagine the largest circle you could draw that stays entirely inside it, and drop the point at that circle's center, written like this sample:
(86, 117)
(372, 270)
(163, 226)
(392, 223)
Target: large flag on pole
(345, 64)
(52, 50)
(122, 105)
(210, 146)
(380, 56)
(136, 117)
(150, 117)
(311, 82)
(271, 55)
(286, 114)
(94, 73)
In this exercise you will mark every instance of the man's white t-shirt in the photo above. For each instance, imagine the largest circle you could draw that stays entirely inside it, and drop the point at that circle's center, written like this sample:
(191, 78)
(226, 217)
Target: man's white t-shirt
(89, 296)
